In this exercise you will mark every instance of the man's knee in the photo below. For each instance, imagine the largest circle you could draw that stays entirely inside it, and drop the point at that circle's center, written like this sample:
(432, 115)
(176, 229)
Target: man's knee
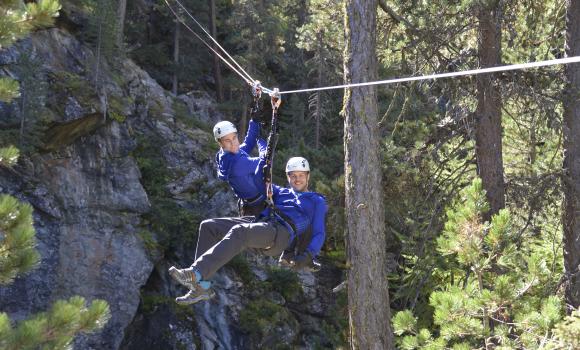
(239, 233)
(207, 226)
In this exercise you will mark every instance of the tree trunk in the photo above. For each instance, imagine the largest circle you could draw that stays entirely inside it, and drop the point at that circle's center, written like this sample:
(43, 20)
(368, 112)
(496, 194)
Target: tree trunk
(318, 112)
(121, 24)
(368, 294)
(176, 57)
(488, 142)
(572, 157)
(217, 74)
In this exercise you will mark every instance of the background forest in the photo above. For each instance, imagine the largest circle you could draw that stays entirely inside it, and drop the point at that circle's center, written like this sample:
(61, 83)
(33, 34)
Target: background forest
(475, 250)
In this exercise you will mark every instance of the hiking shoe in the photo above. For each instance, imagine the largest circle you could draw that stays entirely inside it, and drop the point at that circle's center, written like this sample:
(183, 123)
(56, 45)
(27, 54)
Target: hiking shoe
(185, 277)
(194, 296)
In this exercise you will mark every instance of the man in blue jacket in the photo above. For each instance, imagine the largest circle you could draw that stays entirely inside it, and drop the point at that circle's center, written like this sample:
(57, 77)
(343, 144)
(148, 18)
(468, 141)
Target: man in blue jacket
(295, 211)
(235, 165)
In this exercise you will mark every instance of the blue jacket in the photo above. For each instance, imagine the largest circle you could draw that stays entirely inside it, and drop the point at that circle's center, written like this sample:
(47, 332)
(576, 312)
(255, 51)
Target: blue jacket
(304, 209)
(242, 172)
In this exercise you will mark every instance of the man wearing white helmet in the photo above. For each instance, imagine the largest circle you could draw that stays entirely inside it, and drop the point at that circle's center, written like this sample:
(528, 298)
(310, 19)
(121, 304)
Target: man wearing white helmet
(235, 166)
(295, 212)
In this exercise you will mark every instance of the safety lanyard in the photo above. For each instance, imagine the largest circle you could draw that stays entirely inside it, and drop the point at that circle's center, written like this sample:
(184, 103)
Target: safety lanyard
(271, 146)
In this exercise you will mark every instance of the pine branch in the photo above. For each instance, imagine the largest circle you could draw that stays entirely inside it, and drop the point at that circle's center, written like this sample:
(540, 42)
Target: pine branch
(9, 156)
(398, 18)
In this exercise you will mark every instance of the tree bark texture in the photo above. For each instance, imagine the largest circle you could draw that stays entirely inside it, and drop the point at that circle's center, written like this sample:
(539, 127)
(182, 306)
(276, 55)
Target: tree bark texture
(368, 295)
(318, 112)
(488, 130)
(571, 164)
(217, 74)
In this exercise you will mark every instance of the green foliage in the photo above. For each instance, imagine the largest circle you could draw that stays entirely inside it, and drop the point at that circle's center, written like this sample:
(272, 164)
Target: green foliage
(260, 317)
(567, 332)
(18, 19)
(151, 244)
(17, 239)
(149, 302)
(500, 289)
(103, 26)
(56, 328)
(9, 89)
(242, 268)
(117, 117)
(43, 12)
(31, 102)
(285, 282)
(172, 225)
(9, 156)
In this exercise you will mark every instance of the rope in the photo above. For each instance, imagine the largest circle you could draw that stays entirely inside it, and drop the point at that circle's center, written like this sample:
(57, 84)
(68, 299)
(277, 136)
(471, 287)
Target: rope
(248, 81)
(214, 40)
(519, 66)
(247, 77)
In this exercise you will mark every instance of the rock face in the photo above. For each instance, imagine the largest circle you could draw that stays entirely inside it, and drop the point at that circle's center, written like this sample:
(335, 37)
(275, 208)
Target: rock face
(86, 192)
(91, 212)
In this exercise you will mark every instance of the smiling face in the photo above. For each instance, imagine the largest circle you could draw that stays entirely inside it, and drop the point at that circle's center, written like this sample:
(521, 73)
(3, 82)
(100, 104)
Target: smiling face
(230, 142)
(298, 180)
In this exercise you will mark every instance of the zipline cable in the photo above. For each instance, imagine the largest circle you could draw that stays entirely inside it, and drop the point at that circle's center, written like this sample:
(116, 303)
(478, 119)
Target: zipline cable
(249, 81)
(518, 66)
(214, 40)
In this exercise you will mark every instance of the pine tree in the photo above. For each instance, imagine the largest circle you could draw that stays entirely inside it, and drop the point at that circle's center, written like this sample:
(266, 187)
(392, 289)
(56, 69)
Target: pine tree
(103, 32)
(32, 95)
(9, 156)
(17, 20)
(17, 240)
(494, 292)
(56, 328)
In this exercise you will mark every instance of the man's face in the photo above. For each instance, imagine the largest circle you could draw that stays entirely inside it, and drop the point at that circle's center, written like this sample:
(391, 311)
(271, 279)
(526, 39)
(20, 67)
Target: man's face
(230, 143)
(298, 180)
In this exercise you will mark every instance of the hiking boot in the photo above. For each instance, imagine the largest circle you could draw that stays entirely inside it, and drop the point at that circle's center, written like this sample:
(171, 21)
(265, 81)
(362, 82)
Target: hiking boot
(185, 277)
(194, 296)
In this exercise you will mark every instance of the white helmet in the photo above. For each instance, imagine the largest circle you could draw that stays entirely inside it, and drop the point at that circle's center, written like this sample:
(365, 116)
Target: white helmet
(222, 129)
(297, 164)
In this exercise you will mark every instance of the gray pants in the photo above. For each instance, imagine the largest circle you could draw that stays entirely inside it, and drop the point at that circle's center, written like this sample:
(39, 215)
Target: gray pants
(221, 239)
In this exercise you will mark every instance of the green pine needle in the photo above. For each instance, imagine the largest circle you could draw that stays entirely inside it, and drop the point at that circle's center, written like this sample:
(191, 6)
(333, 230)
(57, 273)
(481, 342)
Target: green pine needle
(9, 88)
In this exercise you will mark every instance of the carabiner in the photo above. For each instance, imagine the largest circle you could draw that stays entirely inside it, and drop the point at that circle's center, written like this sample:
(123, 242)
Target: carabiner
(257, 89)
(276, 98)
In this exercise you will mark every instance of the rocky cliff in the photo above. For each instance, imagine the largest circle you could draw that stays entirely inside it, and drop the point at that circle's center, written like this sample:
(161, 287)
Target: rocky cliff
(119, 180)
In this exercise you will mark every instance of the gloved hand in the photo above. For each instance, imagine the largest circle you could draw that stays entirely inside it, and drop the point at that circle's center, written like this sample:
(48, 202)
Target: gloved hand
(303, 260)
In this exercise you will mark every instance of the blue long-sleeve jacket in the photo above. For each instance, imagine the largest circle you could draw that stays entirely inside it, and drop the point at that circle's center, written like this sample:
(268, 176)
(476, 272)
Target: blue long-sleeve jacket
(304, 209)
(243, 172)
